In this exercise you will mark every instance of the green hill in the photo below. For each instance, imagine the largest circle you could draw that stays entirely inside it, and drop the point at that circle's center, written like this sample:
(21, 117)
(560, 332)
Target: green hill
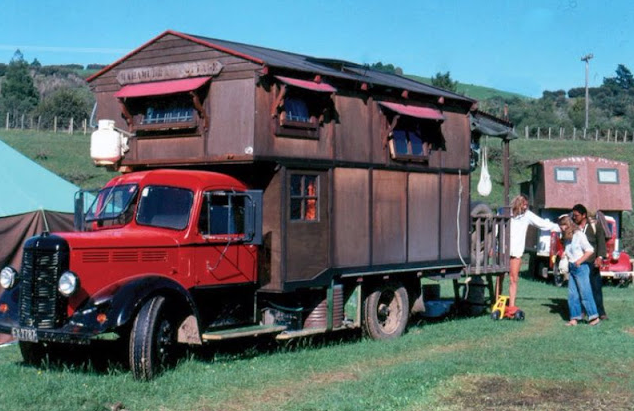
(472, 90)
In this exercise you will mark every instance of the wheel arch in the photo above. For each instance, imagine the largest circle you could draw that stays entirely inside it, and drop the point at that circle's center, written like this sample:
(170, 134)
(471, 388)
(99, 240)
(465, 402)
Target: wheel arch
(125, 298)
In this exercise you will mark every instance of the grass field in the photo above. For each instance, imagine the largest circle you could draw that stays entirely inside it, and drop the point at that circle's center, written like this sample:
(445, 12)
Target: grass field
(459, 363)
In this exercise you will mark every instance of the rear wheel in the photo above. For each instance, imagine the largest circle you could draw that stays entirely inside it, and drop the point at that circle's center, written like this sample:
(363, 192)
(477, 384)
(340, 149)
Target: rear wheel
(386, 311)
(153, 345)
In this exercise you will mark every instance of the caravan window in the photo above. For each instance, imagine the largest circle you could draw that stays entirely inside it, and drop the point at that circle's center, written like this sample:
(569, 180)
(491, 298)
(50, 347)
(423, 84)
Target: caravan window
(608, 175)
(566, 174)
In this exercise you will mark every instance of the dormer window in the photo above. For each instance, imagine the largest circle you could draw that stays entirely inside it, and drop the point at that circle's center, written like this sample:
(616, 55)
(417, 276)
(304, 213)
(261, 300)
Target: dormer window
(300, 107)
(164, 106)
(412, 131)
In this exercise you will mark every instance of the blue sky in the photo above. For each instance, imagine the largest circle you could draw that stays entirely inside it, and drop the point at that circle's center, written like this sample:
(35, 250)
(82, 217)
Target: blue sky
(520, 46)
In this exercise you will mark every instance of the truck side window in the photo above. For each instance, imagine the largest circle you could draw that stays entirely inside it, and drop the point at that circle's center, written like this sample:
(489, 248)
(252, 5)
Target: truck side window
(304, 197)
(166, 207)
(222, 213)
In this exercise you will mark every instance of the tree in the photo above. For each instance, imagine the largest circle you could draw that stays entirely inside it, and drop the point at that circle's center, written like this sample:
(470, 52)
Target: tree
(64, 103)
(444, 81)
(18, 92)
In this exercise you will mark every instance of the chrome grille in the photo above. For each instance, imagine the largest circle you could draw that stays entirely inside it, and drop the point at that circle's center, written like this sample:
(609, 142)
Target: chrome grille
(41, 306)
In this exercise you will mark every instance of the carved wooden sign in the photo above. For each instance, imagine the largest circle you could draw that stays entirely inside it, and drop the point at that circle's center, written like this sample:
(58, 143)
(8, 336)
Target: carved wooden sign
(169, 72)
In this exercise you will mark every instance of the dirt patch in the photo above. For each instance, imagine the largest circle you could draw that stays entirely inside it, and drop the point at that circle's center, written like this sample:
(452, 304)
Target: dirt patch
(496, 393)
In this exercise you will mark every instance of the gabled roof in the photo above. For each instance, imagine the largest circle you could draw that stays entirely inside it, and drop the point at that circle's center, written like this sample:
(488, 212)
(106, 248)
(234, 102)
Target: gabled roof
(332, 68)
(26, 186)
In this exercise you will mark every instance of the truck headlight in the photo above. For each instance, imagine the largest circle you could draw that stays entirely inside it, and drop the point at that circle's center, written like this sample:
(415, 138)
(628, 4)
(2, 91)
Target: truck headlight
(68, 284)
(8, 277)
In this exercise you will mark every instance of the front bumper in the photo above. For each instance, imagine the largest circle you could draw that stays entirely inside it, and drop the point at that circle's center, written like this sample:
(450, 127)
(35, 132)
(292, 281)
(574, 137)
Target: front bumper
(618, 275)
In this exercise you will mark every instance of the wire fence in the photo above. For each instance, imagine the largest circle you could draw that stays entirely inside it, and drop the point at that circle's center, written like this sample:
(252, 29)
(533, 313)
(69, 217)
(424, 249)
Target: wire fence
(613, 135)
(16, 121)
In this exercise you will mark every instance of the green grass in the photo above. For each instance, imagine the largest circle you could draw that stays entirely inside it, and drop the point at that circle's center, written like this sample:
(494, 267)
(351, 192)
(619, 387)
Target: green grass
(65, 155)
(459, 363)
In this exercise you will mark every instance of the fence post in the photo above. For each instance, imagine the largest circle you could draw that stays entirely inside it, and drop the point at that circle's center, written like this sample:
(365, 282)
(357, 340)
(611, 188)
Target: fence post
(525, 128)
(55, 124)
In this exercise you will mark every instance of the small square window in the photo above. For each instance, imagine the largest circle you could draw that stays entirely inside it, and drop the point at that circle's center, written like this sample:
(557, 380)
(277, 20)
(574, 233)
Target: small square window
(608, 175)
(566, 174)
(304, 195)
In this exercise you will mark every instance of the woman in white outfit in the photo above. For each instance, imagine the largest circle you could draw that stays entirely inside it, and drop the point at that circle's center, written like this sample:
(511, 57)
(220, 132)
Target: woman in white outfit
(521, 218)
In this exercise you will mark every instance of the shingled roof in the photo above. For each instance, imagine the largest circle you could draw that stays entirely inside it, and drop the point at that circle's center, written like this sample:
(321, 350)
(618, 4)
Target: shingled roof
(332, 68)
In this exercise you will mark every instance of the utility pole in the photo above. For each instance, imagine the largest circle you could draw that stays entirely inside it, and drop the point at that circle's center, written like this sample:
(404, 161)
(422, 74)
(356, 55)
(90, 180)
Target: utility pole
(587, 58)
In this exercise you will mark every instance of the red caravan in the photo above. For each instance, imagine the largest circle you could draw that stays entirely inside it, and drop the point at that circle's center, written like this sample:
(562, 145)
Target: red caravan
(264, 192)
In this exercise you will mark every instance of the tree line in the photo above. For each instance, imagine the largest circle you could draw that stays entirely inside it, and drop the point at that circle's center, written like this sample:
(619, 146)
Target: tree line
(48, 93)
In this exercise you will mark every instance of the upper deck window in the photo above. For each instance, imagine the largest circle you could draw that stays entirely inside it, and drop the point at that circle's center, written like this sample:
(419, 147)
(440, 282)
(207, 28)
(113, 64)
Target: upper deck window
(566, 174)
(154, 107)
(300, 107)
(608, 175)
(412, 132)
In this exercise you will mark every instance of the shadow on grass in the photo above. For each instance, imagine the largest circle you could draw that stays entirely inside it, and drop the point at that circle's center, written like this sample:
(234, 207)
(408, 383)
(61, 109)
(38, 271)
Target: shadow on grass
(558, 306)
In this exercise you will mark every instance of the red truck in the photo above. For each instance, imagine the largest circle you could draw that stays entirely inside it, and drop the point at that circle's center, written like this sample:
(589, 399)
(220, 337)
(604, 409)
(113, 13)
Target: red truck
(256, 198)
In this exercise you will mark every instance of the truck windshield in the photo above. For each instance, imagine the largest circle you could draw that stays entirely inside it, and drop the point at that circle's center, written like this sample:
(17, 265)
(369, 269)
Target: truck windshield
(166, 207)
(113, 203)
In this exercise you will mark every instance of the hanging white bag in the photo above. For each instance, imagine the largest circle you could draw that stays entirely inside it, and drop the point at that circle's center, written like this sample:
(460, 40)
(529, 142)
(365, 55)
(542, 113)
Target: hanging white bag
(484, 185)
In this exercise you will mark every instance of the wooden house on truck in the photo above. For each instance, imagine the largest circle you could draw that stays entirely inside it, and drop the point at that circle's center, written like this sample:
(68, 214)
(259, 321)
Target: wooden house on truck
(321, 192)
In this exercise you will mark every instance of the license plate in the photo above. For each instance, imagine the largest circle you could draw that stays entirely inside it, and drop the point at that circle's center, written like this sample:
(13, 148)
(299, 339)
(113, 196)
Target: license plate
(24, 334)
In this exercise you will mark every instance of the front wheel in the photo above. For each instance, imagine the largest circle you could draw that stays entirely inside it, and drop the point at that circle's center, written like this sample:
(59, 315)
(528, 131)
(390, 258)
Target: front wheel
(152, 340)
(386, 311)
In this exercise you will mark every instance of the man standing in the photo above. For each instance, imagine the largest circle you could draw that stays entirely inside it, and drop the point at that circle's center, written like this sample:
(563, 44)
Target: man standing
(596, 238)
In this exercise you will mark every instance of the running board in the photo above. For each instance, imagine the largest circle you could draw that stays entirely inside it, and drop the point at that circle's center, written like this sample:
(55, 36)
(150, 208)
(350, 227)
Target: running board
(287, 335)
(251, 331)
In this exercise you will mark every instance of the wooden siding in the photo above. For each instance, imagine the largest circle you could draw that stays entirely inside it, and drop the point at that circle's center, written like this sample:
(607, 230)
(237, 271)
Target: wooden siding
(270, 258)
(354, 130)
(423, 217)
(351, 214)
(389, 210)
(453, 220)
(232, 118)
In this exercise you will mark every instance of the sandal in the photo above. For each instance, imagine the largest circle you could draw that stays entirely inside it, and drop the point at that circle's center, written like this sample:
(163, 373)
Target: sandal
(571, 323)
(595, 321)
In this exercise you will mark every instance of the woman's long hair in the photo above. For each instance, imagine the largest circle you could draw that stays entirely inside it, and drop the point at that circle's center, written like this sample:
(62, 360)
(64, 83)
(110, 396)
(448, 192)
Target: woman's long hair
(516, 204)
(570, 229)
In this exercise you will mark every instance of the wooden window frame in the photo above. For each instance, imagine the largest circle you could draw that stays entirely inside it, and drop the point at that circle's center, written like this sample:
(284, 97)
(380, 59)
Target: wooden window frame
(298, 129)
(304, 198)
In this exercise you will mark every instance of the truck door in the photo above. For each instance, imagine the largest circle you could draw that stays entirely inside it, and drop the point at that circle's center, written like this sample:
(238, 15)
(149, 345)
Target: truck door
(226, 253)
(308, 224)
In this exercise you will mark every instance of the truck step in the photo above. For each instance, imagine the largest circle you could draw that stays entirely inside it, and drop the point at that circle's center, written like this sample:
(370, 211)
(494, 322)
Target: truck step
(287, 335)
(250, 331)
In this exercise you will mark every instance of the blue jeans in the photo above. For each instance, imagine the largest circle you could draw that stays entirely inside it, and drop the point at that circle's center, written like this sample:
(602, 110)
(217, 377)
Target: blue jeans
(580, 293)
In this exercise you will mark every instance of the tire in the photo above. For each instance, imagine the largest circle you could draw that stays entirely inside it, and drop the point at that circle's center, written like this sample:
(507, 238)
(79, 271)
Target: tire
(33, 353)
(153, 345)
(495, 315)
(386, 311)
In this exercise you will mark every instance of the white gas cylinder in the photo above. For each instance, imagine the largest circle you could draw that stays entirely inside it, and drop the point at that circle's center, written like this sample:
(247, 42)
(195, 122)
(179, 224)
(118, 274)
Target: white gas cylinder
(106, 144)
